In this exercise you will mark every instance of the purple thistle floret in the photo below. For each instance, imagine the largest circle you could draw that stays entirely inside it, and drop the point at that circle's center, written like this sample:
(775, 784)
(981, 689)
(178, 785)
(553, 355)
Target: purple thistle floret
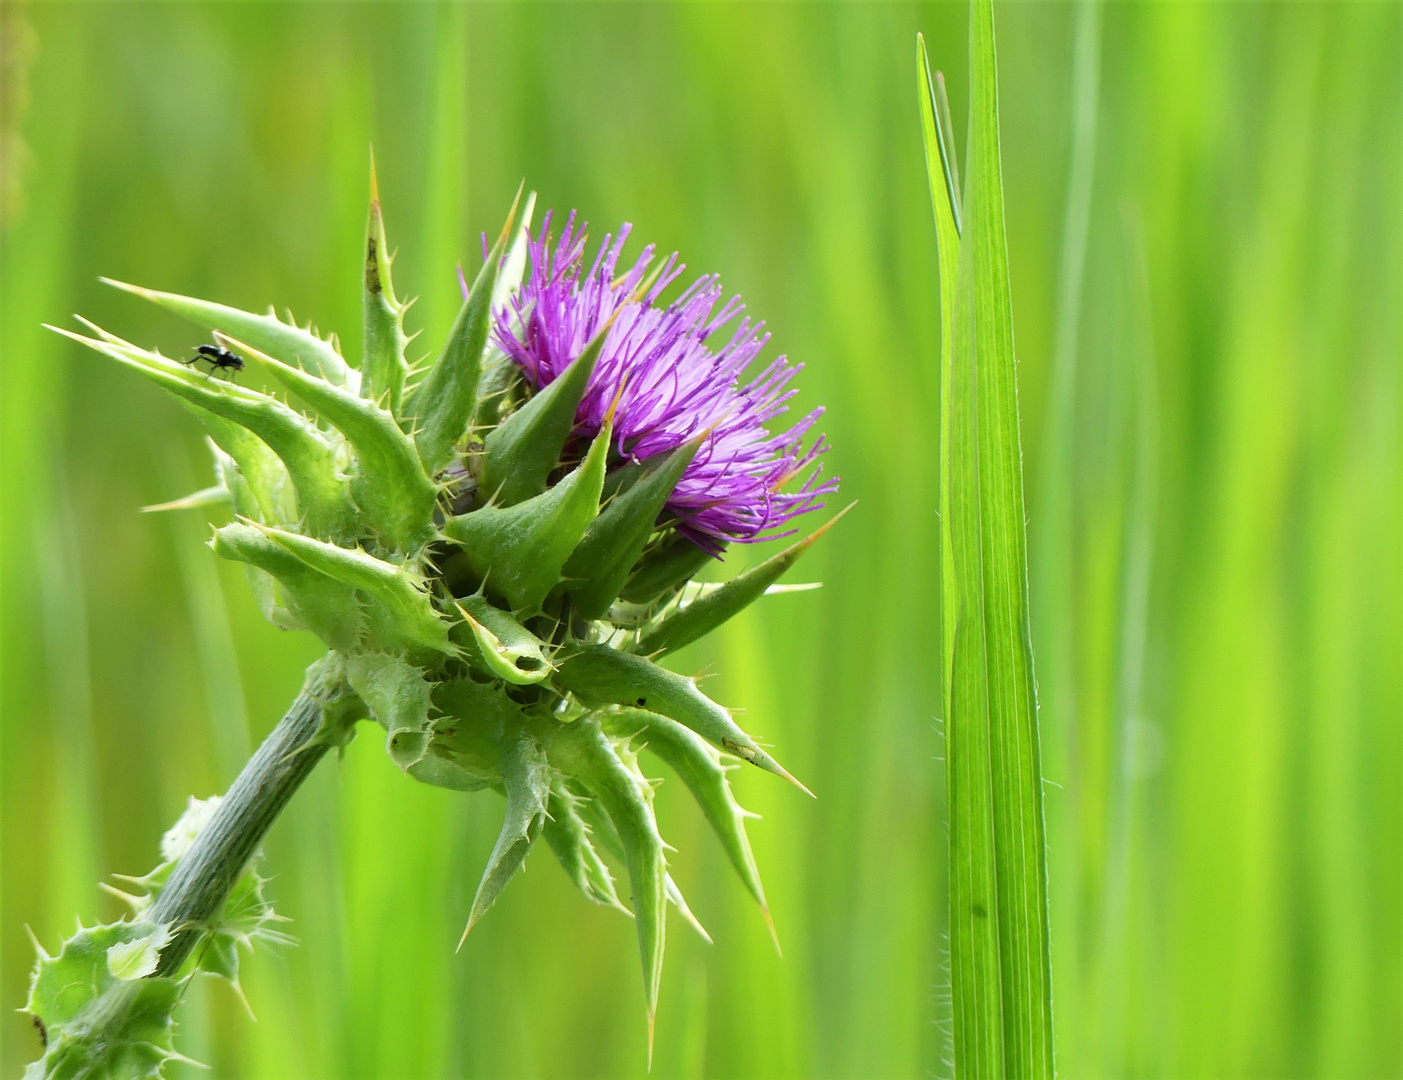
(674, 384)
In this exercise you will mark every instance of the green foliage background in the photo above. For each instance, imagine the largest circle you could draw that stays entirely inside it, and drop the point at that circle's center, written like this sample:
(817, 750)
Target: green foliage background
(1214, 498)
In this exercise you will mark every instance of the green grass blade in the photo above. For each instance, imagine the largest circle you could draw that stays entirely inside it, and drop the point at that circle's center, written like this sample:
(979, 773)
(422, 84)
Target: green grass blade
(1000, 961)
(1020, 855)
(977, 1018)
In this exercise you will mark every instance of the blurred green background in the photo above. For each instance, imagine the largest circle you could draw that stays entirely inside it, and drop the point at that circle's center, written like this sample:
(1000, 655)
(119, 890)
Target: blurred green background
(1204, 222)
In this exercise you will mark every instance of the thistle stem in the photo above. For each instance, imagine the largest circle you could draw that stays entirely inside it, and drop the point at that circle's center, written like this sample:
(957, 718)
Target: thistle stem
(206, 873)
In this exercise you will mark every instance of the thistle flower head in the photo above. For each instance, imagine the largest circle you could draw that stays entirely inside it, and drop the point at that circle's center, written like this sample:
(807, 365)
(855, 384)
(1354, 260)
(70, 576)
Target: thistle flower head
(498, 554)
(671, 371)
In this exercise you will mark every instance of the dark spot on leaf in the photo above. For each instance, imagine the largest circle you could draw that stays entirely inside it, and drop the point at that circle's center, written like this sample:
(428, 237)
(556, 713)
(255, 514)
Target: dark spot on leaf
(642, 702)
(372, 267)
(979, 910)
(43, 1032)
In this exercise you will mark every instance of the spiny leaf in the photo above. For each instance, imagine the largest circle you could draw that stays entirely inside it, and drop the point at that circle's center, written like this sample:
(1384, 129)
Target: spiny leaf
(410, 620)
(262, 471)
(515, 266)
(309, 455)
(700, 767)
(393, 492)
(237, 490)
(583, 750)
(600, 565)
(442, 406)
(438, 769)
(252, 475)
(520, 550)
(599, 675)
(214, 495)
(288, 342)
(245, 918)
(501, 390)
(468, 737)
(383, 368)
(325, 605)
(569, 837)
(399, 697)
(677, 900)
(95, 1022)
(501, 645)
(676, 560)
(176, 840)
(602, 826)
(465, 753)
(138, 957)
(684, 622)
(522, 451)
(526, 781)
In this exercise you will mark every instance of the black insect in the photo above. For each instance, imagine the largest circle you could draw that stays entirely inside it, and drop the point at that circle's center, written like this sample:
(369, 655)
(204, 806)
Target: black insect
(217, 358)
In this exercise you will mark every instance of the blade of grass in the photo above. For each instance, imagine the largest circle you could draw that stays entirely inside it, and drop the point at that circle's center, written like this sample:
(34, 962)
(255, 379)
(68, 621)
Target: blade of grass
(1125, 972)
(1000, 961)
(1054, 582)
(977, 1030)
(210, 632)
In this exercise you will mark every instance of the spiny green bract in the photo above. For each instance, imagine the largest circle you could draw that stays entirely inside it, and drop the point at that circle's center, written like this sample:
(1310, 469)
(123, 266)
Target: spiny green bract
(499, 607)
(100, 1009)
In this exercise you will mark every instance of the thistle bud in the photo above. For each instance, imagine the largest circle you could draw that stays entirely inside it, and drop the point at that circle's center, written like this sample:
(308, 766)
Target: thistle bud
(498, 550)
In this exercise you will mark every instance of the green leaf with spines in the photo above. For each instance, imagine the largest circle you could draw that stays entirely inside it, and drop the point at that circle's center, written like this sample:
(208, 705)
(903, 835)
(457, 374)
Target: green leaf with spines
(514, 269)
(675, 560)
(97, 1024)
(288, 342)
(569, 838)
(237, 490)
(214, 495)
(520, 550)
(596, 572)
(442, 406)
(268, 592)
(684, 622)
(584, 751)
(602, 826)
(403, 617)
(325, 605)
(526, 782)
(104, 1013)
(522, 451)
(476, 719)
(399, 698)
(262, 471)
(322, 492)
(500, 646)
(501, 390)
(600, 675)
(701, 768)
(262, 491)
(267, 481)
(383, 366)
(677, 900)
(394, 494)
(438, 769)
(138, 957)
